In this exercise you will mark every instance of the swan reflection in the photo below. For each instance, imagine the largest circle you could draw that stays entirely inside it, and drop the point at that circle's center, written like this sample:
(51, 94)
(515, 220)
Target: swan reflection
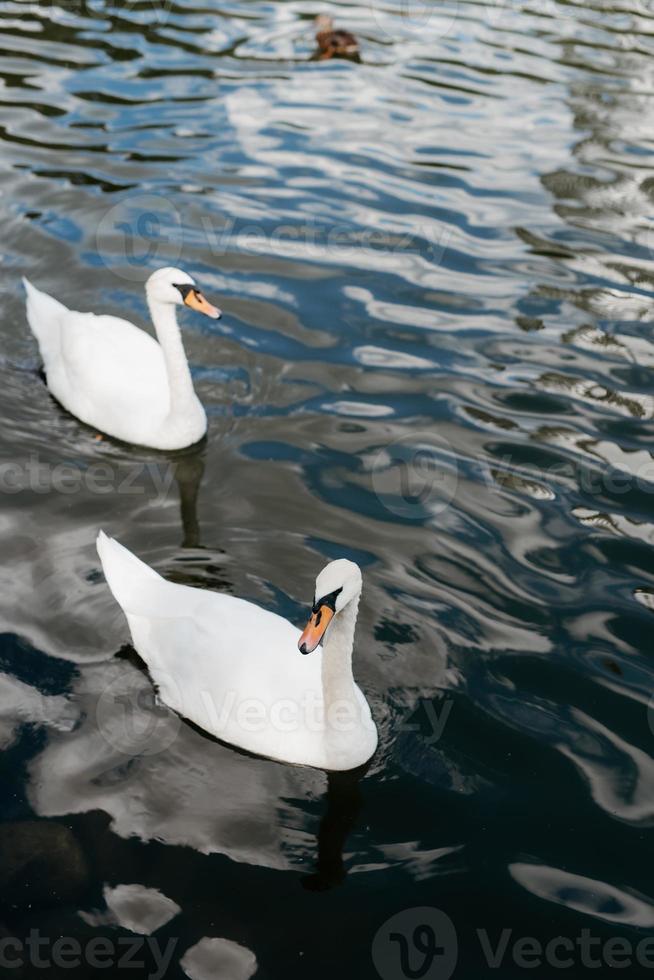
(188, 470)
(161, 779)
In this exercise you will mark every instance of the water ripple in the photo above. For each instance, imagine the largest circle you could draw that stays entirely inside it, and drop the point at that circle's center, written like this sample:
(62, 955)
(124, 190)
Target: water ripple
(436, 270)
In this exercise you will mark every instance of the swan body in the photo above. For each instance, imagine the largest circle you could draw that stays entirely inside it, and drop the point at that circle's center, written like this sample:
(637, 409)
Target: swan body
(117, 378)
(234, 668)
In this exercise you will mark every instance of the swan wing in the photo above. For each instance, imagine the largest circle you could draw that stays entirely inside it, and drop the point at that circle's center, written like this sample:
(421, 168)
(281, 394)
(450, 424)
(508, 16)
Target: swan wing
(233, 668)
(203, 647)
(103, 369)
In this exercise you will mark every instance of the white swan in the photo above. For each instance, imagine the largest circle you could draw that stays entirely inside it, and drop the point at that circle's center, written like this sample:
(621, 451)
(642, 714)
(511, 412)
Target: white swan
(234, 668)
(117, 378)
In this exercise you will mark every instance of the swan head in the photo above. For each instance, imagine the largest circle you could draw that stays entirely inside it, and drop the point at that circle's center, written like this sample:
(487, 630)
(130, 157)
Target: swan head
(337, 585)
(177, 288)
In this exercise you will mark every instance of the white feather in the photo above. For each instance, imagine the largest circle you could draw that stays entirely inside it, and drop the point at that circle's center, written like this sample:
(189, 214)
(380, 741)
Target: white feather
(235, 670)
(114, 376)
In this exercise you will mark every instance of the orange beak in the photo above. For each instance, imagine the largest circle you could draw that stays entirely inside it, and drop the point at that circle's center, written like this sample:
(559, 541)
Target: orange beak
(196, 301)
(315, 629)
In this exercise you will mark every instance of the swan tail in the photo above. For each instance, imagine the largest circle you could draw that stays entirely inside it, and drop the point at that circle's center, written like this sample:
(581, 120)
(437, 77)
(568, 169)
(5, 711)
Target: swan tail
(137, 588)
(44, 315)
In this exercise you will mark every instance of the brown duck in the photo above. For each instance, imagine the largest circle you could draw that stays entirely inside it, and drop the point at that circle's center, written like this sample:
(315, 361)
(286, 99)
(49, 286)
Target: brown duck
(334, 44)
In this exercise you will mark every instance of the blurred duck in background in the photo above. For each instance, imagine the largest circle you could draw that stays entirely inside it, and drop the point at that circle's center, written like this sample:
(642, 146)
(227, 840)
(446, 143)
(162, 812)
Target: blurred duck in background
(334, 43)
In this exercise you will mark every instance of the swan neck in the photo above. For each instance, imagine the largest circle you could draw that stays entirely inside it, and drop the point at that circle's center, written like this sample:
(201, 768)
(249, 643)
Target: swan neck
(164, 318)
(337, 677)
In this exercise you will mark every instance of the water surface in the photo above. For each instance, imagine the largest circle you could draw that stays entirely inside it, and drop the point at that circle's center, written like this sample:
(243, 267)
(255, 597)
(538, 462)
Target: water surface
(435, 269)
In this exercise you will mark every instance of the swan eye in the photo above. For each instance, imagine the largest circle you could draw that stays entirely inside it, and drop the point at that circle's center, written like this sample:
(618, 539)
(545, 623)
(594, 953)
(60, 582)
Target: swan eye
(185, 289)
(328, 600)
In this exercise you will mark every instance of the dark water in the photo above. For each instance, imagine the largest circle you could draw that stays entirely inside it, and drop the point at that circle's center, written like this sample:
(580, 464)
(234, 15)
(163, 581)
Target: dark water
(436, 274)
